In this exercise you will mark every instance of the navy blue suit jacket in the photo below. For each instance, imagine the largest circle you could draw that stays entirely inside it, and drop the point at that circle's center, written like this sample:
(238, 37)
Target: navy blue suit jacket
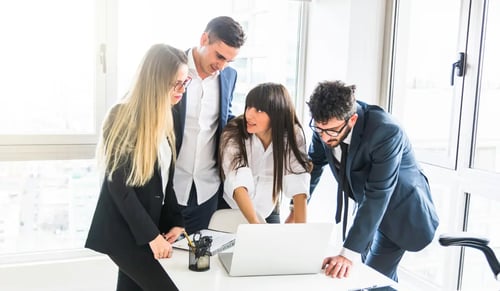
(227, 81)
(391, 192)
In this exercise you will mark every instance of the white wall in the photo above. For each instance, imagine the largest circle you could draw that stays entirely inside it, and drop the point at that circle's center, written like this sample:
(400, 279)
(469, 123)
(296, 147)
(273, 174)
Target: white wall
(345, 42)
(366, 36)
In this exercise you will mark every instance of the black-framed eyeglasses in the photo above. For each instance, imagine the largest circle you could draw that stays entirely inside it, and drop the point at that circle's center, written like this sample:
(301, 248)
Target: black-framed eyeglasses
(329, 131)
(180, 84)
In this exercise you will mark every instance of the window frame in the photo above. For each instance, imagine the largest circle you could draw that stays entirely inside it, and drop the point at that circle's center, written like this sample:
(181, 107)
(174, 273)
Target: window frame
(38, 147)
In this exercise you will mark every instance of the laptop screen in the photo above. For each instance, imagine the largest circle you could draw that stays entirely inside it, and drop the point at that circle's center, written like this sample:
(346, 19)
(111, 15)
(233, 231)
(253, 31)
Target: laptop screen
(279, 249)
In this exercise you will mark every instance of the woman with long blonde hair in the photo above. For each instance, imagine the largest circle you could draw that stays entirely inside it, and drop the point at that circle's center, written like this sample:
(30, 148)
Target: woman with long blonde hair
(137, 217)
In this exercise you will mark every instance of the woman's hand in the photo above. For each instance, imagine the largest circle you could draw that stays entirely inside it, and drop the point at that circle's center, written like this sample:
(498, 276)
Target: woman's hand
(174, 233)
(299, 208)
(160, 247)
(240, 195)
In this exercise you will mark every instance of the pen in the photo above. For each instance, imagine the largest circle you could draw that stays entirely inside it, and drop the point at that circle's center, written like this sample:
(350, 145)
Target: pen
(374, 287)
(190, 242)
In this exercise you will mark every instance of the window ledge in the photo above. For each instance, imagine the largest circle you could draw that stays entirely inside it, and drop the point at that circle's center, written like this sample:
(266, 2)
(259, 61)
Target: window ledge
(48, 257)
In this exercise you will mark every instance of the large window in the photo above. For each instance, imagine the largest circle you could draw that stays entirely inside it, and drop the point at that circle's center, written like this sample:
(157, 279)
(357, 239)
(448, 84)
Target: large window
(450, 118)
(487, 149)
(423, 57)
(270, 54)
(51, 103)
(48, 69)
(65, 62)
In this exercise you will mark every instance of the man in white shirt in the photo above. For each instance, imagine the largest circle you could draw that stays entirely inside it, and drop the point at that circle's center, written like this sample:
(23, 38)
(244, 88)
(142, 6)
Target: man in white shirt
(200, 117)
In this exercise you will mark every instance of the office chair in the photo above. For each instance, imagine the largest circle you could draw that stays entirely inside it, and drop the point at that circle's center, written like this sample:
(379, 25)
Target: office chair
(468, 240)
(227, 220)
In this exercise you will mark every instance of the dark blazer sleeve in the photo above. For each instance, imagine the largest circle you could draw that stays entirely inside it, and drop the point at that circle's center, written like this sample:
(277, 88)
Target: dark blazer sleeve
(317, 154)
(139, 221)
(228, 78)
(171, 215)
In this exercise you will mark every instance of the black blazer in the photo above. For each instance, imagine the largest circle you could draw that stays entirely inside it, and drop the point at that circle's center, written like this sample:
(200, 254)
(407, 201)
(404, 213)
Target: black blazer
(128, 217)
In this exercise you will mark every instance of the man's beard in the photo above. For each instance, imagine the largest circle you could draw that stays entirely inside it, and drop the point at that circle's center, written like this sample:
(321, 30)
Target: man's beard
(339, 139)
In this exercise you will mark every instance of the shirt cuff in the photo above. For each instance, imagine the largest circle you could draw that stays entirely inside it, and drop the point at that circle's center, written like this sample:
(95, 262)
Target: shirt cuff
(242, 177)
(350, 255)
(294, 184)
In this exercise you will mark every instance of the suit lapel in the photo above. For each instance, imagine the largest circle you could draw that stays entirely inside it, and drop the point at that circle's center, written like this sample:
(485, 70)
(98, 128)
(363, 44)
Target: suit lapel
(356, 136)
(179, 116)
(224, 82)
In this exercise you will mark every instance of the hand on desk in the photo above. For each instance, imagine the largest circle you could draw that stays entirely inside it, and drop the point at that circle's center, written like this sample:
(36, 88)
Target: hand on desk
(337, 266)
(160, 247)
(173, 234)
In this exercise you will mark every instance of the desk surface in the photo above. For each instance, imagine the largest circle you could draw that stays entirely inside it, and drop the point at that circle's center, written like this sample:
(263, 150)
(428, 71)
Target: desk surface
(217, 279)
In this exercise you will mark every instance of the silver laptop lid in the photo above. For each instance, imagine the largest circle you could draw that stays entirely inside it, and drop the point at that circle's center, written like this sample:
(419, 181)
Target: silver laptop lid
(280, 249)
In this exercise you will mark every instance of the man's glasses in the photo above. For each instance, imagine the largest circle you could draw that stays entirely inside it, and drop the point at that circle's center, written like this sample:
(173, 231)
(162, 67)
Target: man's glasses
(180, 84)
(329, 131)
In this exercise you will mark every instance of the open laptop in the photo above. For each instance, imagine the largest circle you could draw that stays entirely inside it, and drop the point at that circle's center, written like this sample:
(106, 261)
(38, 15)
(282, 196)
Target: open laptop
(278, 249)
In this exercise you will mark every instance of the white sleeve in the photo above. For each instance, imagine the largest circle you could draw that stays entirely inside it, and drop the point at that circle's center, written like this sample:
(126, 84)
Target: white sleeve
(350, 255)
(294, 184)
(235, 178)
(241, 177)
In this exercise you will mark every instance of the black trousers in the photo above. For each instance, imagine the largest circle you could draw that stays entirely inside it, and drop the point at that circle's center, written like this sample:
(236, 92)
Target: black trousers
(383, 255)
(140, 271)
(197, 216)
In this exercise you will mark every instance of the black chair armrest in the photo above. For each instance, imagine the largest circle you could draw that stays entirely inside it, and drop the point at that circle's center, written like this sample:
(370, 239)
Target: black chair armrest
(462, 239)
(469, 240)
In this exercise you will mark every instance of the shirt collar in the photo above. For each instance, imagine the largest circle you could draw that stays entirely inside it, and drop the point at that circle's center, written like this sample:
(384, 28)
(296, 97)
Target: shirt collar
(347, 140)
(193, 73)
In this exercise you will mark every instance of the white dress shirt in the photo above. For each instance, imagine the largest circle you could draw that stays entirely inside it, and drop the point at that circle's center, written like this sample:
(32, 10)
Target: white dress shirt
(257, 178)
(345, 252)
(164, 159)
(196, 158)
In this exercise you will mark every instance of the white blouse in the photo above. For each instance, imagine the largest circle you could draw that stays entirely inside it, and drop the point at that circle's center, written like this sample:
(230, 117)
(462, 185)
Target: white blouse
(164, 159)
(257, 178)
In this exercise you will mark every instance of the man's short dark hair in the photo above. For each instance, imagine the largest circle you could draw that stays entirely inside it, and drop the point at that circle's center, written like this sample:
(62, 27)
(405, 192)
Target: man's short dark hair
(227, 30)
(332, 99)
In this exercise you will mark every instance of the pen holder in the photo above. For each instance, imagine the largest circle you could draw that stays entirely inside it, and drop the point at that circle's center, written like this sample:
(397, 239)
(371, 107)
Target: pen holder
(199, 259)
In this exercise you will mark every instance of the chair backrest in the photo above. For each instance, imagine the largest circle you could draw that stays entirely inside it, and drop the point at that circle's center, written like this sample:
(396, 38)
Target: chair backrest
(227, 220)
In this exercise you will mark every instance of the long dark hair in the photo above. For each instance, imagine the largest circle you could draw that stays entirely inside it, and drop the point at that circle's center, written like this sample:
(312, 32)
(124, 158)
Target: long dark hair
(275, 100)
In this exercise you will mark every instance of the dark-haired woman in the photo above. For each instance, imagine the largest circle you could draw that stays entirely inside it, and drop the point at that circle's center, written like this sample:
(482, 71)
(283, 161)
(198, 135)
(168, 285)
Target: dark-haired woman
(263, 156)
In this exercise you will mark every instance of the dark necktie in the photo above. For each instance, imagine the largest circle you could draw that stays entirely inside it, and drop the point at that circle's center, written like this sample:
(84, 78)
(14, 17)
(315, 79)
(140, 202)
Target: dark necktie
(343, 186)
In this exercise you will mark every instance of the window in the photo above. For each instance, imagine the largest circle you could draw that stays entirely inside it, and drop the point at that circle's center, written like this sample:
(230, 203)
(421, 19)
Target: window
(451, 127)
(487, 149)
(483, 219)
(423, 99)
(270, 53)
(49, 61)
(66, 62)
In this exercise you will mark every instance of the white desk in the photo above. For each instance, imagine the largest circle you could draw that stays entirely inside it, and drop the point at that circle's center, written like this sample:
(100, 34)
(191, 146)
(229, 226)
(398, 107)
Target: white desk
(217, 279)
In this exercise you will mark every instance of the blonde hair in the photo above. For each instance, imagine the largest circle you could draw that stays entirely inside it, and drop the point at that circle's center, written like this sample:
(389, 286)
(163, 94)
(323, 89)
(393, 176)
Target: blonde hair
(135, 127)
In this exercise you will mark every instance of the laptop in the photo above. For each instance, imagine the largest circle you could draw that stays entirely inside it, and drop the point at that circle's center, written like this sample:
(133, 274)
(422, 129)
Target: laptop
(278, 249)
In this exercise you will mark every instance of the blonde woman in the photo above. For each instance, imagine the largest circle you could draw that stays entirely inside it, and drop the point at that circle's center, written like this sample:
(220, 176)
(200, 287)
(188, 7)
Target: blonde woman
(137, 217)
